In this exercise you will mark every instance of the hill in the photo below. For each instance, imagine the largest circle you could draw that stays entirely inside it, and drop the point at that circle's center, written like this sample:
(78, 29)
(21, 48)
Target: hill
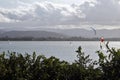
(113, 33)
(35, 34)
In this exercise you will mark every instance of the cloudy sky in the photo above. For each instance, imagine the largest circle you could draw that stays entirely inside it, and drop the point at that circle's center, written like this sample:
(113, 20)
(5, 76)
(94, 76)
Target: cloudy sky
(42, 14)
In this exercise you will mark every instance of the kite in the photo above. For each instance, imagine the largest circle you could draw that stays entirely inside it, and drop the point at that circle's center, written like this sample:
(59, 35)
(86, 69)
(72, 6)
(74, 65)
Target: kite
(93, 30)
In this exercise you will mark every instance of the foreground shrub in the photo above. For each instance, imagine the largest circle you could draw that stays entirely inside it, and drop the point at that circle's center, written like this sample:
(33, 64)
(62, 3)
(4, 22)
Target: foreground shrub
(15, 66)
(110, 65)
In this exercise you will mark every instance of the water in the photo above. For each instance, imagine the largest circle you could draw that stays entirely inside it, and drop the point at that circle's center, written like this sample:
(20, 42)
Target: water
(65, 50)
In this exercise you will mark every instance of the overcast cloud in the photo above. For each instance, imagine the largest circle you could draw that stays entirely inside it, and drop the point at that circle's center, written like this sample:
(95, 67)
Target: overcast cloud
(52, 14)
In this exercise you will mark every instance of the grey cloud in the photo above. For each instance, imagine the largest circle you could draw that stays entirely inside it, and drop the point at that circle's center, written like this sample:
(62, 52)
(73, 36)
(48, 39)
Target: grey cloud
(102, 12)
(47, 13)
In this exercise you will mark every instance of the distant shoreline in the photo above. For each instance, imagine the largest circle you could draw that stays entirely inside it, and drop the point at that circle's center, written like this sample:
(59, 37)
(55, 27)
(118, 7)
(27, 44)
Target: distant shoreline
(57, 39)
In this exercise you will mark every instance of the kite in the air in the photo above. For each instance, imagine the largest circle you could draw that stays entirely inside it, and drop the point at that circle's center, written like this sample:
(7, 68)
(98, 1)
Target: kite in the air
(93, 30)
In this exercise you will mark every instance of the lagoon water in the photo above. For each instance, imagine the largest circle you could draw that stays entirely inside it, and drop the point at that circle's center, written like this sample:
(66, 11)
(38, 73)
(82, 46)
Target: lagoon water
(64, 50)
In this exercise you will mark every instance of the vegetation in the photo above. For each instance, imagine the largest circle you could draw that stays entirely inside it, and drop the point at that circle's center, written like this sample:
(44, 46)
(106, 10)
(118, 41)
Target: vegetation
(15, 66)
(47, 39)
(54, 39)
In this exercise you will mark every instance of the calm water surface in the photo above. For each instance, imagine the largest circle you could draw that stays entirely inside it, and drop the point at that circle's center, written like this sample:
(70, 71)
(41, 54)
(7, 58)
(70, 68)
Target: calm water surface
(65, 50)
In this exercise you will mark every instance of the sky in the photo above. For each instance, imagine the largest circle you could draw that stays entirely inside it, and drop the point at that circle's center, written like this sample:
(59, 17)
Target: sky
(61, 14)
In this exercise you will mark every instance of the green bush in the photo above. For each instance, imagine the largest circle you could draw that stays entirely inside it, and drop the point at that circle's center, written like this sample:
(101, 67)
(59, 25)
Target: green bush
(15, 66)
(110, 65)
